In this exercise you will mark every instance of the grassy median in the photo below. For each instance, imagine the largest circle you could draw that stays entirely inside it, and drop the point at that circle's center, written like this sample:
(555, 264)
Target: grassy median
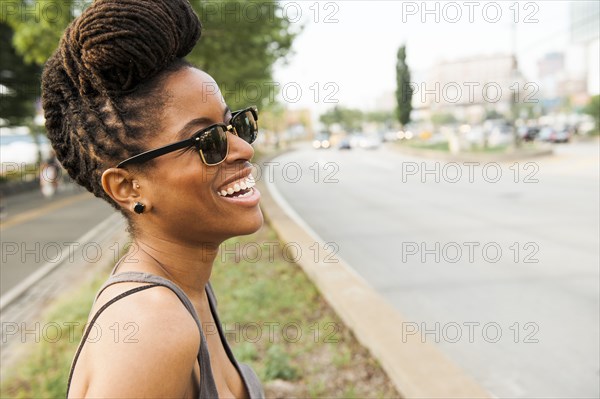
(274, 318)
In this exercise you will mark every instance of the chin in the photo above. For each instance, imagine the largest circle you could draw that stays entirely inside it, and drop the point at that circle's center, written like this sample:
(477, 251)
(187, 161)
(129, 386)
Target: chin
(251, 224)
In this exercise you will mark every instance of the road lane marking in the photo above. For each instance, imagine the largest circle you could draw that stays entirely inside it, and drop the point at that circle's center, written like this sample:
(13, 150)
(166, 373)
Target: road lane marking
(98, 233)
(35, 213)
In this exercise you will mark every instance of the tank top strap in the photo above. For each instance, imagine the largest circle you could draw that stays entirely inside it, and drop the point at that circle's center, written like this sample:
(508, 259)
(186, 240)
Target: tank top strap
(250, 379)
(206, 384)
(211, 294)
(91, 323)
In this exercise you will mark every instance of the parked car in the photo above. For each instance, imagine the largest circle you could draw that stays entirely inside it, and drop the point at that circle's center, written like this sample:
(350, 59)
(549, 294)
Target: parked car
(500, 135)
(368, 142)
(18, 149)
(529, 133)
(552, 135)
(562, 135)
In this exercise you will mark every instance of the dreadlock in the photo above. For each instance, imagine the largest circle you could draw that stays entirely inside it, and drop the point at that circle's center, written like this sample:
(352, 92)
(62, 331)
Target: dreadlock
(101, 89)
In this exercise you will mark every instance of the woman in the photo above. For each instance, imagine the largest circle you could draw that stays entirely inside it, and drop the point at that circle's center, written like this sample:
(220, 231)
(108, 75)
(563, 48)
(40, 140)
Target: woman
(49, 176)
(136, 125)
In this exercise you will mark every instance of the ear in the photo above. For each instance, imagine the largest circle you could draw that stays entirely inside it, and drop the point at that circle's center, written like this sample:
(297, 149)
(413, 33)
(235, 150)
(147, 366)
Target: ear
(123, 188)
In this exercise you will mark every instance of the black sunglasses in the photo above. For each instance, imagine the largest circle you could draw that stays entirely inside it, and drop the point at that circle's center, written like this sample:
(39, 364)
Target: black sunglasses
(211, 142)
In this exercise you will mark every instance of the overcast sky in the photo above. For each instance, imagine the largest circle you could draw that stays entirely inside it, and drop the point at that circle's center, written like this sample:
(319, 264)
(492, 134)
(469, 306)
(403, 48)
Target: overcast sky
(352, 45)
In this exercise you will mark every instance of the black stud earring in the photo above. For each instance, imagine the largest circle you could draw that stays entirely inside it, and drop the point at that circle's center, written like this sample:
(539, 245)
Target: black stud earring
(139, 208)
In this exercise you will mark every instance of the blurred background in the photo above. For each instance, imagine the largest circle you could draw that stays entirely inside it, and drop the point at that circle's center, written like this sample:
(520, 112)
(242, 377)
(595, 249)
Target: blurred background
(449, 151)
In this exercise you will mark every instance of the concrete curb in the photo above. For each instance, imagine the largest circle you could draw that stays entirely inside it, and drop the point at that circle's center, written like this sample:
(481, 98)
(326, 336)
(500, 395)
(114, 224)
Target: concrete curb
(417, 369)
(463, 157)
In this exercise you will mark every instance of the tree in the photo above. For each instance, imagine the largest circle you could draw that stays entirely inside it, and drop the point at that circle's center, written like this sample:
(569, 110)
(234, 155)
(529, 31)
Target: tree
(593, 109)
(404, 90)
(349, 119)
(382, 117)
(38, 26)
(19, 83)
(442, 118)
(241, 41)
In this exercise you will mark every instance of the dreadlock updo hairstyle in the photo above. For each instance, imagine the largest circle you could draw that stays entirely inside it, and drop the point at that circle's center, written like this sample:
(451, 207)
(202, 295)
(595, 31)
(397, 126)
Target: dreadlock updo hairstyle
(101, 89)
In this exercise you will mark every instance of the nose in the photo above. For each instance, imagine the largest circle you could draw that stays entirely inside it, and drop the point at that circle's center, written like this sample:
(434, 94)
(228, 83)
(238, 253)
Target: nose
(239, 150)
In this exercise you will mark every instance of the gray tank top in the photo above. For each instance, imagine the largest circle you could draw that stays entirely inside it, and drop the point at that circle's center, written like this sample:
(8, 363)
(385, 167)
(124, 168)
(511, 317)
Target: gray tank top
(208, 388)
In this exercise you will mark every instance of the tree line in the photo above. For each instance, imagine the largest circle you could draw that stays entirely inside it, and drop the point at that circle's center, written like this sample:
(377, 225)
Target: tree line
(238, 48)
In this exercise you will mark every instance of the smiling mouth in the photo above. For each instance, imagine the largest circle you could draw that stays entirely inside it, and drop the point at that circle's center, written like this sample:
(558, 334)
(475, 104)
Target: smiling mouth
(239, 188)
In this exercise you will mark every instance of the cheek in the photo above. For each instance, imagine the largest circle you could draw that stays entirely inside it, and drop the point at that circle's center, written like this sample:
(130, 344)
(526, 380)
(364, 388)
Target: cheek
(186, 188)
(186, 203)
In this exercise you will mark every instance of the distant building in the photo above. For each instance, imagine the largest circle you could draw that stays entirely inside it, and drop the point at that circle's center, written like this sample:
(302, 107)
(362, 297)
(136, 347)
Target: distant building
(469, 88)
(386, 101)
(551, 64)
(585, 31)
(558, 85)
(298, 123)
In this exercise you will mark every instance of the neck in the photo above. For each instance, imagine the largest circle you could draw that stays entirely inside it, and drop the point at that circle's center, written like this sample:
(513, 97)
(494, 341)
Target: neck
(187, 265)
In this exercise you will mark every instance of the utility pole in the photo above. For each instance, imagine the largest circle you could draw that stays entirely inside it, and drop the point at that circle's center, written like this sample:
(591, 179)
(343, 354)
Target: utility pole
(515, 97)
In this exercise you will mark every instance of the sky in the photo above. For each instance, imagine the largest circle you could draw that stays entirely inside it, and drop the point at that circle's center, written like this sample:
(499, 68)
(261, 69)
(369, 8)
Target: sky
(347, 50)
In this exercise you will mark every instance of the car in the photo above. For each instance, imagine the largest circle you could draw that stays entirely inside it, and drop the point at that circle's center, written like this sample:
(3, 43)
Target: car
(500, 135)
(562, 135)
(389, 137)
(552, 135)
(321, 141)
(344, 144)
(370, 142)
(528, 133)
(19, 149)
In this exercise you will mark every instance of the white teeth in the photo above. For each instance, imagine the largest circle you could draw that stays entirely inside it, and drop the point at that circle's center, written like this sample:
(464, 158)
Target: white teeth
(243, 184)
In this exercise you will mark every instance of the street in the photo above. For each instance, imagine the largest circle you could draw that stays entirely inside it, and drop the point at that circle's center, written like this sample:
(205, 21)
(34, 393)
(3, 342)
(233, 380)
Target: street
(496, 263)
(38, 231)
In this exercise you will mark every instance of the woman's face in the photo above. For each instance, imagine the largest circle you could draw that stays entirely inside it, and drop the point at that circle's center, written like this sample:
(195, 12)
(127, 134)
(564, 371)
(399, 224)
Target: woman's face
(184, 192)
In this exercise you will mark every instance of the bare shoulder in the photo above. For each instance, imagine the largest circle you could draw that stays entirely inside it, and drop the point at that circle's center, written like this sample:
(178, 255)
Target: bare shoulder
(143, 345)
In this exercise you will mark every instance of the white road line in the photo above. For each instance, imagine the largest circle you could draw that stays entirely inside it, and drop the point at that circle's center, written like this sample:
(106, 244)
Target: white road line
(98, 232)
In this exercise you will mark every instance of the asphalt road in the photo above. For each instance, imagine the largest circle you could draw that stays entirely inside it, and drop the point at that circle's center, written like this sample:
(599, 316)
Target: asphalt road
(37, 231)
(497, 264)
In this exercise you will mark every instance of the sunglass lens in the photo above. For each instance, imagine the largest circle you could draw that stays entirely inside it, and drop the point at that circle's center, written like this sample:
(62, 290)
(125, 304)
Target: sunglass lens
(246, 126)
(213, 145)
